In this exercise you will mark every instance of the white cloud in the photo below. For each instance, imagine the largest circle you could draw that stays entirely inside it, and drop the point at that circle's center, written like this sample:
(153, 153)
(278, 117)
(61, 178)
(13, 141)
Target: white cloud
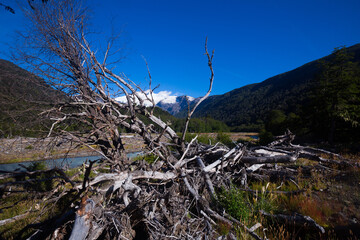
(164, 96)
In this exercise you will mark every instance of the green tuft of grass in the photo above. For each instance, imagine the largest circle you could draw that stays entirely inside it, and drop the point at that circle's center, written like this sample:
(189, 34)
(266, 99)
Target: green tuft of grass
(149, 158)
(236, 203)
(245, 206)
(29, 147)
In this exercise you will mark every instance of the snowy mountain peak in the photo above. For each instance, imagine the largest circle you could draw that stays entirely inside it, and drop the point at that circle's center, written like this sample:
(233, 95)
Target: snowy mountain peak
(181, 103)
(165, 100)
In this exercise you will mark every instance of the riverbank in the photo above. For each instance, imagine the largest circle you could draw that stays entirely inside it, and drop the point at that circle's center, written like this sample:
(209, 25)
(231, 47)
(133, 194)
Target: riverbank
(22, 149)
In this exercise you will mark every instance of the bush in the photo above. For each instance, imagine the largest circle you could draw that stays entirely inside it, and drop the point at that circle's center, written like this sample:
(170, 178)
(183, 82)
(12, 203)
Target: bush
(189, 136)
(245, 206)
(203, 138)
(225, 139)
(265, 137)
(236, 203)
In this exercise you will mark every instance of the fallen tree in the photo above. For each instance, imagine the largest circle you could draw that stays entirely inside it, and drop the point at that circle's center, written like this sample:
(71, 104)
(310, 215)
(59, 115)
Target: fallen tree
(162, 200)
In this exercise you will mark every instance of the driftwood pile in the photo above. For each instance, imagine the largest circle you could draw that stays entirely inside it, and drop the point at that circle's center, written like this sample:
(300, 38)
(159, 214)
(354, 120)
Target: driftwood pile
(178, 199)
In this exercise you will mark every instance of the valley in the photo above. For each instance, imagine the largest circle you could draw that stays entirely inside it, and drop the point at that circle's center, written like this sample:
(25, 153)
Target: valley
(277, 159)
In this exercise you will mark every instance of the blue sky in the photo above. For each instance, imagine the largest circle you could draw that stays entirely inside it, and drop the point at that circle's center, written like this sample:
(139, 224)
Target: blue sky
(253, 40)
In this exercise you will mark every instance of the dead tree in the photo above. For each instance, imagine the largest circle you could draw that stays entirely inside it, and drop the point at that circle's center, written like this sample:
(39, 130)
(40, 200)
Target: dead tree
(72, 66)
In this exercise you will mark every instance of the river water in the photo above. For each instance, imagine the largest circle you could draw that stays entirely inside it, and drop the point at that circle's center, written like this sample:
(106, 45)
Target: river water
(64, 163)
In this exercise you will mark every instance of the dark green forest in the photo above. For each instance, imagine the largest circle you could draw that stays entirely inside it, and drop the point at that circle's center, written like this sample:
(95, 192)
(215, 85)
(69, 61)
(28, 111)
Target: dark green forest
(318, 101)
(331, 112)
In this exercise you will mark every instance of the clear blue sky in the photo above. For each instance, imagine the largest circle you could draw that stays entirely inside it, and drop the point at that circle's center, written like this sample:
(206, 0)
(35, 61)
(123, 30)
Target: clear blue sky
(253, 40)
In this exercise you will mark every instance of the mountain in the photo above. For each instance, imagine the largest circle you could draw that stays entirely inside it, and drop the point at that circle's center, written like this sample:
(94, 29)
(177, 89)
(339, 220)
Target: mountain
(17, 83)
(165, 100)
(181, 103)
(249, 104)
(22, 97)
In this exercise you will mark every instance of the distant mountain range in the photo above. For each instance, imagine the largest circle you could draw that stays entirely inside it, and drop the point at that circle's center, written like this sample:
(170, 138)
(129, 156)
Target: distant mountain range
(246, 105)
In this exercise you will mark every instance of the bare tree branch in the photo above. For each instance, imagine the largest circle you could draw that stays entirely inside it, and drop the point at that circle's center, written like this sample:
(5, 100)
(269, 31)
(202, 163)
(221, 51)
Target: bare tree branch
(191, 112)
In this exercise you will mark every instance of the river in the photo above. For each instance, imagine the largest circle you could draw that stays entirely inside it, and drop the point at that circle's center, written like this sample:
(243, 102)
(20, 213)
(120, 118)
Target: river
(65, 163)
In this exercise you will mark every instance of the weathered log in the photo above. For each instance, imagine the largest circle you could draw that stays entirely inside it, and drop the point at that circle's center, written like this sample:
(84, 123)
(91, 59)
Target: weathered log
(129, 186)
(13, 219)
(296, 219)
(211, 167)
(273, 159)
(314, 157)
(207, 177)
(159, 209)
(287, 138)
(181, 161)
(254, 167)
(83, 219)
(119, 178)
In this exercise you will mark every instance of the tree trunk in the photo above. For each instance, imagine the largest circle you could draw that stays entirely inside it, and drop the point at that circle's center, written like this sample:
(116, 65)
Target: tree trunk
(83, 220)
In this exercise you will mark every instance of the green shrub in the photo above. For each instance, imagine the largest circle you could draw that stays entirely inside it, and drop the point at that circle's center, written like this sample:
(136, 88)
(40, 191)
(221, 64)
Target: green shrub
(265, 137)
(225, 139)
(245, 206)
(36, 166)
(189, 136)
(247, 140)
(206, 139)
(236, 203)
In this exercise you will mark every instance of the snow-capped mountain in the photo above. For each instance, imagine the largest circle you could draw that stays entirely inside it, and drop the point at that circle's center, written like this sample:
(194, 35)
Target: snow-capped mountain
(181, 102)
(165, 100)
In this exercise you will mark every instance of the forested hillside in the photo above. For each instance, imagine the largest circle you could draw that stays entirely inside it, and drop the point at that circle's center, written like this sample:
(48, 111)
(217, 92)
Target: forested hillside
(295, 94)
(246, 105)
(22, 97)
